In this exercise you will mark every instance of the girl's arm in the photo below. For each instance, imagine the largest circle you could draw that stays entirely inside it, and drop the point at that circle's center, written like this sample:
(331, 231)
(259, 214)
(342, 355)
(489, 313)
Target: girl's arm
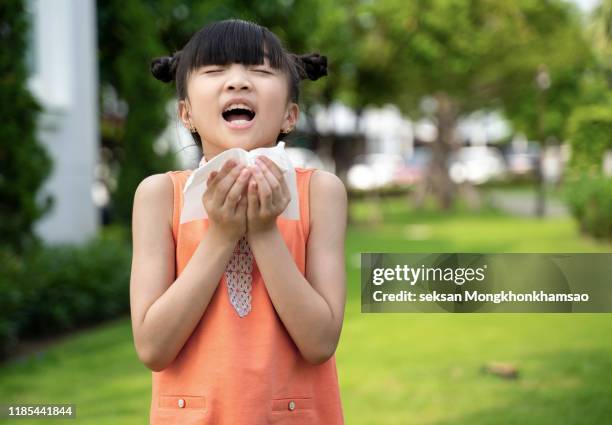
(311, 307)
(165, 313)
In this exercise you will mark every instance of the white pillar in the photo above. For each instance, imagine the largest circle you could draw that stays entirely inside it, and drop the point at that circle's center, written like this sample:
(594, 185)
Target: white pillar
(64, 78)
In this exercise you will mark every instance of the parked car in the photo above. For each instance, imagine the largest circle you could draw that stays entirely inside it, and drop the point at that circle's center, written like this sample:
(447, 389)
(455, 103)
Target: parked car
(414, 167)
(373, 171)
(522, 160)
(477, 165)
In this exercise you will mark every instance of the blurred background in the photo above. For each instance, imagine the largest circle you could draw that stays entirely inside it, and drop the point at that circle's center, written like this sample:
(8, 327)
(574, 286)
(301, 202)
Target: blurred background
(456, 126)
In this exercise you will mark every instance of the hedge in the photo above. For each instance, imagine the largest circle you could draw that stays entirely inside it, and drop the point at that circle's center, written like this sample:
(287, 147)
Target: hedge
(588, 191)
(61, 287)
(590, 135)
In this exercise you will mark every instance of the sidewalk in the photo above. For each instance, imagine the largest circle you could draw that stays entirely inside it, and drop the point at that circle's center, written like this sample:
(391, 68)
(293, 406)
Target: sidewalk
(523, 203)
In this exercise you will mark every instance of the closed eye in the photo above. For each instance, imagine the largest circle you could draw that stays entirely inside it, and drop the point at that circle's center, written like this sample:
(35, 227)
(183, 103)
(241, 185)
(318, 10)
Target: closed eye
(262, 71)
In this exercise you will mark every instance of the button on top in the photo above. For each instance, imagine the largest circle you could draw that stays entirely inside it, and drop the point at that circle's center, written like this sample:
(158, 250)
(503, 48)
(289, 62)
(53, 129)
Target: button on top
(291, 405)
(181, 403)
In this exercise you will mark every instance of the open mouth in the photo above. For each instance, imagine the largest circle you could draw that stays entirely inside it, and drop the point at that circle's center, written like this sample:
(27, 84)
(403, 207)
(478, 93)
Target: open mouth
(238, 116)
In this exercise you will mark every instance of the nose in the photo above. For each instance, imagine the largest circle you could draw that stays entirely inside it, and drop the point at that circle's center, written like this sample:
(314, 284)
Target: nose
(237, 78)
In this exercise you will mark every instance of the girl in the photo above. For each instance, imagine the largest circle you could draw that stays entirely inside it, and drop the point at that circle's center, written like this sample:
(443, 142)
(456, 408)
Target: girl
(239, 314)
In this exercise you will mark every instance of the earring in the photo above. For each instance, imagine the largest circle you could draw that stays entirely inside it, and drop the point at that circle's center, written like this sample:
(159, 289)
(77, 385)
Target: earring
(192, 128)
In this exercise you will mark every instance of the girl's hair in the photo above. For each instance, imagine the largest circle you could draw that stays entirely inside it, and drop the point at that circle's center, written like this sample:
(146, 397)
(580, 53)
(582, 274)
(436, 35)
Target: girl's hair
(236, 41)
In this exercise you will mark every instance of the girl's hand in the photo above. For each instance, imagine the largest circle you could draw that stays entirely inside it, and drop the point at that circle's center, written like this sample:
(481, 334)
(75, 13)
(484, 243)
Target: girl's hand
(225, 200)
(268, 196)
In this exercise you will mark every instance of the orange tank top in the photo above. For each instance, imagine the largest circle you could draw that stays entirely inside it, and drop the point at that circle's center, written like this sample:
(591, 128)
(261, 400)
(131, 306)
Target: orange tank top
(243, 370)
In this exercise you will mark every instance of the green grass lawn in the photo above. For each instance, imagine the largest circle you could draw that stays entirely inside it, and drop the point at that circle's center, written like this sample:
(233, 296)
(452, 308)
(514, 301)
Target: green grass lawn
(393, 368)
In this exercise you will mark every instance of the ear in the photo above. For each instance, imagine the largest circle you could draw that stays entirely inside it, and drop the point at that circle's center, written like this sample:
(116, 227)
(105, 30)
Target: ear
(291, 116)
(184, 111)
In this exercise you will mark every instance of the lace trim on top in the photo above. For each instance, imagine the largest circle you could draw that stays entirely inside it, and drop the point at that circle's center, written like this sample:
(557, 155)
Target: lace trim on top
(239, 278)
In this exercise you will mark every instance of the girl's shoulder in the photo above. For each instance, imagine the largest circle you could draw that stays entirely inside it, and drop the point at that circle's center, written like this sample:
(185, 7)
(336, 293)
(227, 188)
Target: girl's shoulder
(325, 181)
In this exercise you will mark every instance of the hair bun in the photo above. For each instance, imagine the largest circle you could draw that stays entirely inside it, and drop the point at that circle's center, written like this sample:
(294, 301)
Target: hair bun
(164, 68)
(314, 66)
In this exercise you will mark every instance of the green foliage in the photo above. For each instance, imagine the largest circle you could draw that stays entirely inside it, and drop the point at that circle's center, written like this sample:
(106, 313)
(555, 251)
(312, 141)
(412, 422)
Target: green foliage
(480, 54)
(590, 201)
(588, 191)
(24, 164)
(590, 135)
(600, 32)
(11, 266)
(62, 287)
(128, 40)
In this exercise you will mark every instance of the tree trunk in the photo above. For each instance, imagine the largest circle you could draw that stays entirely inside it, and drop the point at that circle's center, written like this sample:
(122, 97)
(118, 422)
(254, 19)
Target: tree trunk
(440, 181)
(540, 204)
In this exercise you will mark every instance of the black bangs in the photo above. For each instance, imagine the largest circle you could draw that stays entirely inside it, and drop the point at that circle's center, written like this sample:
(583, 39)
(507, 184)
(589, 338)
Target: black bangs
(235, 41)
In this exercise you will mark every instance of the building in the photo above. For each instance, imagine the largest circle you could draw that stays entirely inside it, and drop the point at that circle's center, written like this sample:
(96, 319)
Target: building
(64, 78)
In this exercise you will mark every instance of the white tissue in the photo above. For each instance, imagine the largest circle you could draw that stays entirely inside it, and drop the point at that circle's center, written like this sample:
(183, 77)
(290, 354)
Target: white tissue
(193, 209)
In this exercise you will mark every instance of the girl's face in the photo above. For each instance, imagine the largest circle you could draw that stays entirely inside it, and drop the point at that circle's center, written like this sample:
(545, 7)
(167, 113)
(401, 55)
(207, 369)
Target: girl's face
(213, 88)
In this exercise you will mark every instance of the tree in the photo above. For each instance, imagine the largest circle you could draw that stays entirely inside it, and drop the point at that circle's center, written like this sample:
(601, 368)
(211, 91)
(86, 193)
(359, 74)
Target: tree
(588, 186)
(600, 33)
(24, 164)
(128, 40)
(464, 55)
